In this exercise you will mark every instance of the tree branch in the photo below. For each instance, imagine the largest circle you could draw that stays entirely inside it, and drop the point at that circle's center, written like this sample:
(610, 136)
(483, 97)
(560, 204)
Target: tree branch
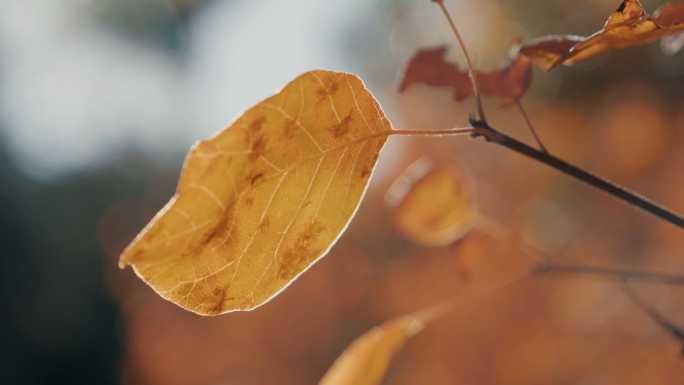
(529, 125)
(624, 274)
(471, 69)
(604, 185)
(653, 314)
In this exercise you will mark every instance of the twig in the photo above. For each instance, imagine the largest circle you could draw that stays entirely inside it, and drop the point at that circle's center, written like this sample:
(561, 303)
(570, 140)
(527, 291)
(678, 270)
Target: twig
(529, 125)
(653, 314)
(471, 69)
(502, 233)
(543, 266)
(624, 274)
(606, 186)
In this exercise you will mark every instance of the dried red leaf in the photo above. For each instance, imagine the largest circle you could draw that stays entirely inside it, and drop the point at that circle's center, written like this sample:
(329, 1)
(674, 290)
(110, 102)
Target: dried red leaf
(628, 26)
(509, 82)
(428, 67)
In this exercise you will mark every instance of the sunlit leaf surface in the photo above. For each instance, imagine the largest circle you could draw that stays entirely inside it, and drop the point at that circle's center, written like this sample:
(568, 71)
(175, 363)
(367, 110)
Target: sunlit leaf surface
(628, 26)
(262, 200)
(432, 206)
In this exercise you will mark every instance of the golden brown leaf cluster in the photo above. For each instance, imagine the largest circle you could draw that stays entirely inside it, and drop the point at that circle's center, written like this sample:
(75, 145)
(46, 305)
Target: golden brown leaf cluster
(628, 26)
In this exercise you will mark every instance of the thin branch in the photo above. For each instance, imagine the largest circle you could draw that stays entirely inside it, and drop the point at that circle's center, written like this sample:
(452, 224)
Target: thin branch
(653, 314)
(502, 233)
(529, 125)
(624, 274)
(604, 185)
(471, 69)
(543, 266)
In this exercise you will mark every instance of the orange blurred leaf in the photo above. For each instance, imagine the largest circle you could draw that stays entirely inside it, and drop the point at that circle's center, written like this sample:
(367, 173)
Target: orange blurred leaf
(262, 200)
(432, 207)
(508, 83)
(470, 253)
(366, 360)
(628, 26)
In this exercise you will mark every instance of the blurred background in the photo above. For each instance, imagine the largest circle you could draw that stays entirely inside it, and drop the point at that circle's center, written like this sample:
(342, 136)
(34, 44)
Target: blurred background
(100, 101)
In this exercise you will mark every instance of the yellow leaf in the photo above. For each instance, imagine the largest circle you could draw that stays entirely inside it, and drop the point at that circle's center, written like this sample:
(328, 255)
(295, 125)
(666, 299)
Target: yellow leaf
(264, 199)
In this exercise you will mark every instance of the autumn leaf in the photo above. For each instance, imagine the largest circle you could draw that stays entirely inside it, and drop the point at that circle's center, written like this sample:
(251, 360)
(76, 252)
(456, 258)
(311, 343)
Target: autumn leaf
(628, 26)
(366, 360)
(470, 253)
(432, 206)
(509, 82)
(428, 67)
(262, 200)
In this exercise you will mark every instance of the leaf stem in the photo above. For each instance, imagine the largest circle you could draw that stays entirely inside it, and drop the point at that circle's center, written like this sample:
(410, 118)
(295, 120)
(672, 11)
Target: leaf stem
(471, 69)
(624, 274)
(606, 186)
(502, 233)
(543, 266)
(529, 125)
(431, 133)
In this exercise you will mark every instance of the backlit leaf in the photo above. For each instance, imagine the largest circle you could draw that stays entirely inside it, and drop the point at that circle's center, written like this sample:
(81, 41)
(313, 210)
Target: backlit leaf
(628, 26)
(432, 207)
(265, 198)
(366, 361)
(508, 83)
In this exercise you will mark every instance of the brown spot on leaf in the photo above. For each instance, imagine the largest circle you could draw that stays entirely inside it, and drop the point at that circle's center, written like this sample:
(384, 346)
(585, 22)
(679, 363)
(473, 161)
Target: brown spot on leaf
(343, 128)
(136, 254)
(258, 148)
(264, 224)
(322, 94)
(256, 125)
(220, 293)
(333, 88)
(256, 178)
(365, 171)
(290, 128)
(211, 232)
(297, 257)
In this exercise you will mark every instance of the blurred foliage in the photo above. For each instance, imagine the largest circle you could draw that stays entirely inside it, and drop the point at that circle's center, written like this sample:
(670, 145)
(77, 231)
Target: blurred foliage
(59, 323)
(151, 22)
